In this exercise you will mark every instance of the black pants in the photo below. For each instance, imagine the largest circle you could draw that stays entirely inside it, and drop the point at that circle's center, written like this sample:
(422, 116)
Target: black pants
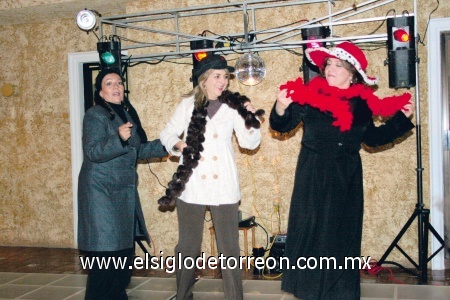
(109, 283)
(190, 226)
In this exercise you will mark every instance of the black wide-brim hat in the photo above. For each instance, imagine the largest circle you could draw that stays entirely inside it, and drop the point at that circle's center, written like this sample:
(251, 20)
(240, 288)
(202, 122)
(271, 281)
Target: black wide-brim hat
(212, 61)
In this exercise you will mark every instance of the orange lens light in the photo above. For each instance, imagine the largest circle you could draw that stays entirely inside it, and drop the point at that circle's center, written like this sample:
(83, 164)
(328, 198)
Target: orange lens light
(200, 55)
(401, 35)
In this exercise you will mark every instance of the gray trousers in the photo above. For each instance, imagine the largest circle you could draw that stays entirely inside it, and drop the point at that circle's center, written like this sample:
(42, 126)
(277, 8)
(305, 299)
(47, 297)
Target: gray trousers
(190, 228)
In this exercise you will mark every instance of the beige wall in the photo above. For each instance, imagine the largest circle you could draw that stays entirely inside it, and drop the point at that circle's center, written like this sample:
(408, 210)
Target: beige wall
(36, 206)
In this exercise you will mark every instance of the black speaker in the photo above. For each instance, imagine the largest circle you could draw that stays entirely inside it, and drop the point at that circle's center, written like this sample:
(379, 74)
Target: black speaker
(276, 251)
(196, 57)
(110, 55)
(401, 52)
(402, 68)
(309, 70)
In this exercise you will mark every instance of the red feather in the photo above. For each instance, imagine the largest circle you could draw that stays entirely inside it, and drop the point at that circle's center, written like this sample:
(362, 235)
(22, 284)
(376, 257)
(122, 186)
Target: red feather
(318, 94)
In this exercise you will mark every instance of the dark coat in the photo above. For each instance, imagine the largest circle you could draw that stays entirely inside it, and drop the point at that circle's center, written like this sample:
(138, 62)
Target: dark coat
(109, 209)
(326, 210)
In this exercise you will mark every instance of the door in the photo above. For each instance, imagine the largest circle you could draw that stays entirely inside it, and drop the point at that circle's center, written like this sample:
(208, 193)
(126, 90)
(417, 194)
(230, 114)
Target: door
(446, 123)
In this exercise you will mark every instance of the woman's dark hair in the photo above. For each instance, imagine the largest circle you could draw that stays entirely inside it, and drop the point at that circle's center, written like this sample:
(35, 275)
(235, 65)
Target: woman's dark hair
(126, 102)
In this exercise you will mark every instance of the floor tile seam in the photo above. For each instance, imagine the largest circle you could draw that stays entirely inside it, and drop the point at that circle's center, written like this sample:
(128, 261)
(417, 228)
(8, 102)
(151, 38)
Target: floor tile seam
(53, 282)
(79, 292)
(8, 282)
(40, 286)
(137, 286)
(286, 296)
(31, 274)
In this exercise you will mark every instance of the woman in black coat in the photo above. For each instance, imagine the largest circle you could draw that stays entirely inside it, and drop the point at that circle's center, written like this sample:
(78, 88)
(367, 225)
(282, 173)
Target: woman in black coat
(109, 209)
(326, 210)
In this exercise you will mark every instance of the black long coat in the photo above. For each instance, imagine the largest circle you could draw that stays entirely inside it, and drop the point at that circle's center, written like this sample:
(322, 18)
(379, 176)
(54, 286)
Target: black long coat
(109, 209)
(326, 212)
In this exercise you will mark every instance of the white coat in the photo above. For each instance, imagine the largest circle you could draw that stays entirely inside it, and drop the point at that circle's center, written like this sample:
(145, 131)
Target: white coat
(215, 180)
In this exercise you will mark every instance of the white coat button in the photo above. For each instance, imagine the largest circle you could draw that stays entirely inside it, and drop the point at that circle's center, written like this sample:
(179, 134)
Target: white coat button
(203, 177)
(214, 157)
(215, 135)
(215, 176)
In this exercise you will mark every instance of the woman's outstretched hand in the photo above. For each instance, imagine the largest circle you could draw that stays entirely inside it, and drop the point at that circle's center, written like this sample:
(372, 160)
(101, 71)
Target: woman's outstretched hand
(408, 109)
(283, 101)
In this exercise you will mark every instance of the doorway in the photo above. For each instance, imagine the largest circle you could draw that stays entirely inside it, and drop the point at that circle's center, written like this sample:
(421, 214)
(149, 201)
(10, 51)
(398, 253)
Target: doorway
(77, 108)
(439, 134)
(445, 100)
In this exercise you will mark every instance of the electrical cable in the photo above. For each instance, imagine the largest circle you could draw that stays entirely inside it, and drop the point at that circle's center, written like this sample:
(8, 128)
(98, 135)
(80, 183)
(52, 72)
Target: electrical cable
(375, 269)
(151, 171)
(267, 234)
(428, 23)
(376, 29)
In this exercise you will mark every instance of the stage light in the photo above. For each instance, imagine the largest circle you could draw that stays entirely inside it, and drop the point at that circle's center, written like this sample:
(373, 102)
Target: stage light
(110, 54)
(250, 69)
(401, 35)
(86, 20)
(199, 55)
(311, 34)
(401, 52)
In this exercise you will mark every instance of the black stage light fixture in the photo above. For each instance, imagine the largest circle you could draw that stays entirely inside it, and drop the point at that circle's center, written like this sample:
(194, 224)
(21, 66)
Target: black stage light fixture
(311, 34)
(110, 54)
(199, 55)
(401, 52)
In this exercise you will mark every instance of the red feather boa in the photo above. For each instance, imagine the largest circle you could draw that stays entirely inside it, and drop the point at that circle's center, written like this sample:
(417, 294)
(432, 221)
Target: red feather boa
(318, 94)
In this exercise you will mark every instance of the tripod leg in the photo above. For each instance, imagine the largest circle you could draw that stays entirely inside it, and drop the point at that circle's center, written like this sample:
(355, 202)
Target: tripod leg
(143, 247)
(423, 223)
(397, 238)
(439, 238)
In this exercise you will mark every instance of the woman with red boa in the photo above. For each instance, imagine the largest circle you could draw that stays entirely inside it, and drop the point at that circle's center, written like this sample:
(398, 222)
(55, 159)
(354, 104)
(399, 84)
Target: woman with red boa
(326, 212)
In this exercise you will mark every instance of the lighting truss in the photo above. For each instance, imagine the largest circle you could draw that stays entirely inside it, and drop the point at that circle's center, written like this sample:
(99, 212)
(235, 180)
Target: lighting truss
(162, 44)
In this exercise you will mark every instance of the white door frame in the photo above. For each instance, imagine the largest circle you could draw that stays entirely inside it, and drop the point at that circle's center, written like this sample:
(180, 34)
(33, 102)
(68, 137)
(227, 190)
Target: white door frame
(436, 135)
(76, 96)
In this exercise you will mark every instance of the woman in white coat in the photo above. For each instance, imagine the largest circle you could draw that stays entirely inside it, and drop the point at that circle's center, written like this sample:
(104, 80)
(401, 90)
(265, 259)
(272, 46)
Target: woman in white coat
(207, 175)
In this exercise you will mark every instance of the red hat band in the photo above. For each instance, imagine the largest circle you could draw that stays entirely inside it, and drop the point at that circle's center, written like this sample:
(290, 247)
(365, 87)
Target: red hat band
(354, 51)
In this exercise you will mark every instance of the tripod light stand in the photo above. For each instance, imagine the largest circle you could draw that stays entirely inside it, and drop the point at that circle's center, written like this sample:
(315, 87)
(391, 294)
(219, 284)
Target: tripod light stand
(420, 212)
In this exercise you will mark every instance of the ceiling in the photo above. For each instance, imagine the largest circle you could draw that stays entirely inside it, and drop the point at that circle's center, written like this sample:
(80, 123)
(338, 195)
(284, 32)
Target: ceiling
(40, 11)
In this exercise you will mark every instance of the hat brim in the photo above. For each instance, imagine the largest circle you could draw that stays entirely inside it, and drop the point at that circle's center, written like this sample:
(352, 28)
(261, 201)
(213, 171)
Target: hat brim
(215, 65)
(318, 55)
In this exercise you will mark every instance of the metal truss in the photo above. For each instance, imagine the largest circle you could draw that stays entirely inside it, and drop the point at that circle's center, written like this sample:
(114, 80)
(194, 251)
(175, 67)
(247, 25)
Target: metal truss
(176, 44)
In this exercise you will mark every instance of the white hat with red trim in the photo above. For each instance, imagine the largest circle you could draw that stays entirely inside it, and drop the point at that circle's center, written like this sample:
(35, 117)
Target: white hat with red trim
(345, 51)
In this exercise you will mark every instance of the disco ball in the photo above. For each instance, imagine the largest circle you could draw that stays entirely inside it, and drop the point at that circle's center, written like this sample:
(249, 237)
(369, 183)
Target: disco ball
(250, 69)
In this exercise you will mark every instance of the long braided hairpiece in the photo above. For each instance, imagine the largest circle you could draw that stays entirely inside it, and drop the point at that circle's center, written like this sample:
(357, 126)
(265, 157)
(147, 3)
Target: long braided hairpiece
(194, 140)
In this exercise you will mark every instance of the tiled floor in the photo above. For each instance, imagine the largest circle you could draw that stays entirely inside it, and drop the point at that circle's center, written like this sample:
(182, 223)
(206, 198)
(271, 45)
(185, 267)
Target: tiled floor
(49, 273)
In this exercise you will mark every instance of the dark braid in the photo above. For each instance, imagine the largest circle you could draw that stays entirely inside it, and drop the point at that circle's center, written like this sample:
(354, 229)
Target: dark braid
(194, 140)
(237, 101)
